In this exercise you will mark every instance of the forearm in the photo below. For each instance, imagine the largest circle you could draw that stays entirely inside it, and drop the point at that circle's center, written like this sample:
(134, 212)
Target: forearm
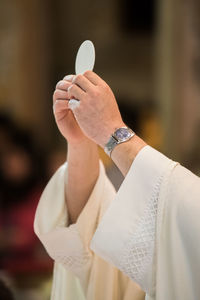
(124, 154)
(83, 171)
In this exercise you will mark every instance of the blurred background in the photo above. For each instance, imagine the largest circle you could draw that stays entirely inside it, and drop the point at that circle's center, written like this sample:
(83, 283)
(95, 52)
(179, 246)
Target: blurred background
(147, 51)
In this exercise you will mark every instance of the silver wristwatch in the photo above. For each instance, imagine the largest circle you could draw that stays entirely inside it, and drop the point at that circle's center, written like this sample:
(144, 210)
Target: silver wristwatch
(120, 135)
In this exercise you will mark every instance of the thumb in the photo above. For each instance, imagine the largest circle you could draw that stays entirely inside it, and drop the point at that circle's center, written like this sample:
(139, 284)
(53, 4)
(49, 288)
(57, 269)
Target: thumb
(73, 104)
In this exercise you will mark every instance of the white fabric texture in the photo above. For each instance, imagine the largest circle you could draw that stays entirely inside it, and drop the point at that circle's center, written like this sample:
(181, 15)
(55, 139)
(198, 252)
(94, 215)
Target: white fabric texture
(79, 273)
(178, 230)
(151, 231)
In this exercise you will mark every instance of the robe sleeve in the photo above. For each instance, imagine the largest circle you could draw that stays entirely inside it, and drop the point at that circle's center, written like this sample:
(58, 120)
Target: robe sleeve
(126, 236)
(178, 236)
(68, 244)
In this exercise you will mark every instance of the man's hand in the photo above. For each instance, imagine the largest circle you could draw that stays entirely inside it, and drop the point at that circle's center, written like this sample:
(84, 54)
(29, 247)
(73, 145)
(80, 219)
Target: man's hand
(64, 117)
(98, 114)
(82, 154)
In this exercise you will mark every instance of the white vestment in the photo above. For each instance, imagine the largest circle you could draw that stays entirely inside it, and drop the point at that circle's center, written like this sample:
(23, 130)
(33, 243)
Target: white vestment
(79, 274)
(150, 231)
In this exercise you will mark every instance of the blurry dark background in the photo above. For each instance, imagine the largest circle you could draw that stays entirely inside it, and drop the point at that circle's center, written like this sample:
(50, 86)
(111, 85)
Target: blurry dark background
(148, 52)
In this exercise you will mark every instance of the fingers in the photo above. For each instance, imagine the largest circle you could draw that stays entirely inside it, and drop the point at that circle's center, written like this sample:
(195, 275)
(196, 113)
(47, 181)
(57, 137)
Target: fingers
(76, 92)
(75, 87)
(59, 106)
(63, 85)
(60, 95)
(61, 92)
(93, 78)
(82, 82)
(69, 77)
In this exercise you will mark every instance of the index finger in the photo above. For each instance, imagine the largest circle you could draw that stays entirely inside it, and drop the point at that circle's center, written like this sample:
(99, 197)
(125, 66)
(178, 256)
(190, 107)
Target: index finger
(93, 77)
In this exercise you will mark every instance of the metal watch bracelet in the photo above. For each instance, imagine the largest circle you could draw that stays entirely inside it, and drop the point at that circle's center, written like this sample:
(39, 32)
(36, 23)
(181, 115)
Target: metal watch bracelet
(121, 135)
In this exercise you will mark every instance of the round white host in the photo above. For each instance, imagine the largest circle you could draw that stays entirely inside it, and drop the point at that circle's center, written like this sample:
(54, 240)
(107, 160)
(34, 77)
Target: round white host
(85, 58)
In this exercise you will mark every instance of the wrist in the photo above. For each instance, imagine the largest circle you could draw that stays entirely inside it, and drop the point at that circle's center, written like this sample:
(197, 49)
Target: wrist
(83, 151)
(121, 135)
(103, 140)
(84, 155)
(124, 154)
(82, 142)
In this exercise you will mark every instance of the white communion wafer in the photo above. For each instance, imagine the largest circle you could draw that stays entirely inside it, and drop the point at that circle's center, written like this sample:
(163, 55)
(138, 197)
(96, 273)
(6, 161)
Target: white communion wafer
(73, 104)
(85, 57)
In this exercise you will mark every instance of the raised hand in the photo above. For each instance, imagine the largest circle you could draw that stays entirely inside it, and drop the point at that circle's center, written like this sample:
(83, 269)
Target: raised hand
(97, 114)
(64, 117)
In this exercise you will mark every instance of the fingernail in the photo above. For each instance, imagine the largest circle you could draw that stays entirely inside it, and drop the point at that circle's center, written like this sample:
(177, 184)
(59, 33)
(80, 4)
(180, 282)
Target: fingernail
(69, 77)
(60, 84)
(74, 78)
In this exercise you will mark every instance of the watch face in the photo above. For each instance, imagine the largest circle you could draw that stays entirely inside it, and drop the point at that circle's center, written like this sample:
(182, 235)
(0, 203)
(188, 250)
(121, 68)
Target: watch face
(122, 134)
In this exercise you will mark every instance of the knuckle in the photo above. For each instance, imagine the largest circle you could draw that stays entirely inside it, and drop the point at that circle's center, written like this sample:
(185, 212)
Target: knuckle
(87, 73)
(71, 89)
(60, 82)
(58, 94)
(95, 93)
(68, 77)
(55, 94)
(78, 78)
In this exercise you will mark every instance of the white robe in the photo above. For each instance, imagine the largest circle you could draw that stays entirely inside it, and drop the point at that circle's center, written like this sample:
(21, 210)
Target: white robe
(150, 231)
(79, 274)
